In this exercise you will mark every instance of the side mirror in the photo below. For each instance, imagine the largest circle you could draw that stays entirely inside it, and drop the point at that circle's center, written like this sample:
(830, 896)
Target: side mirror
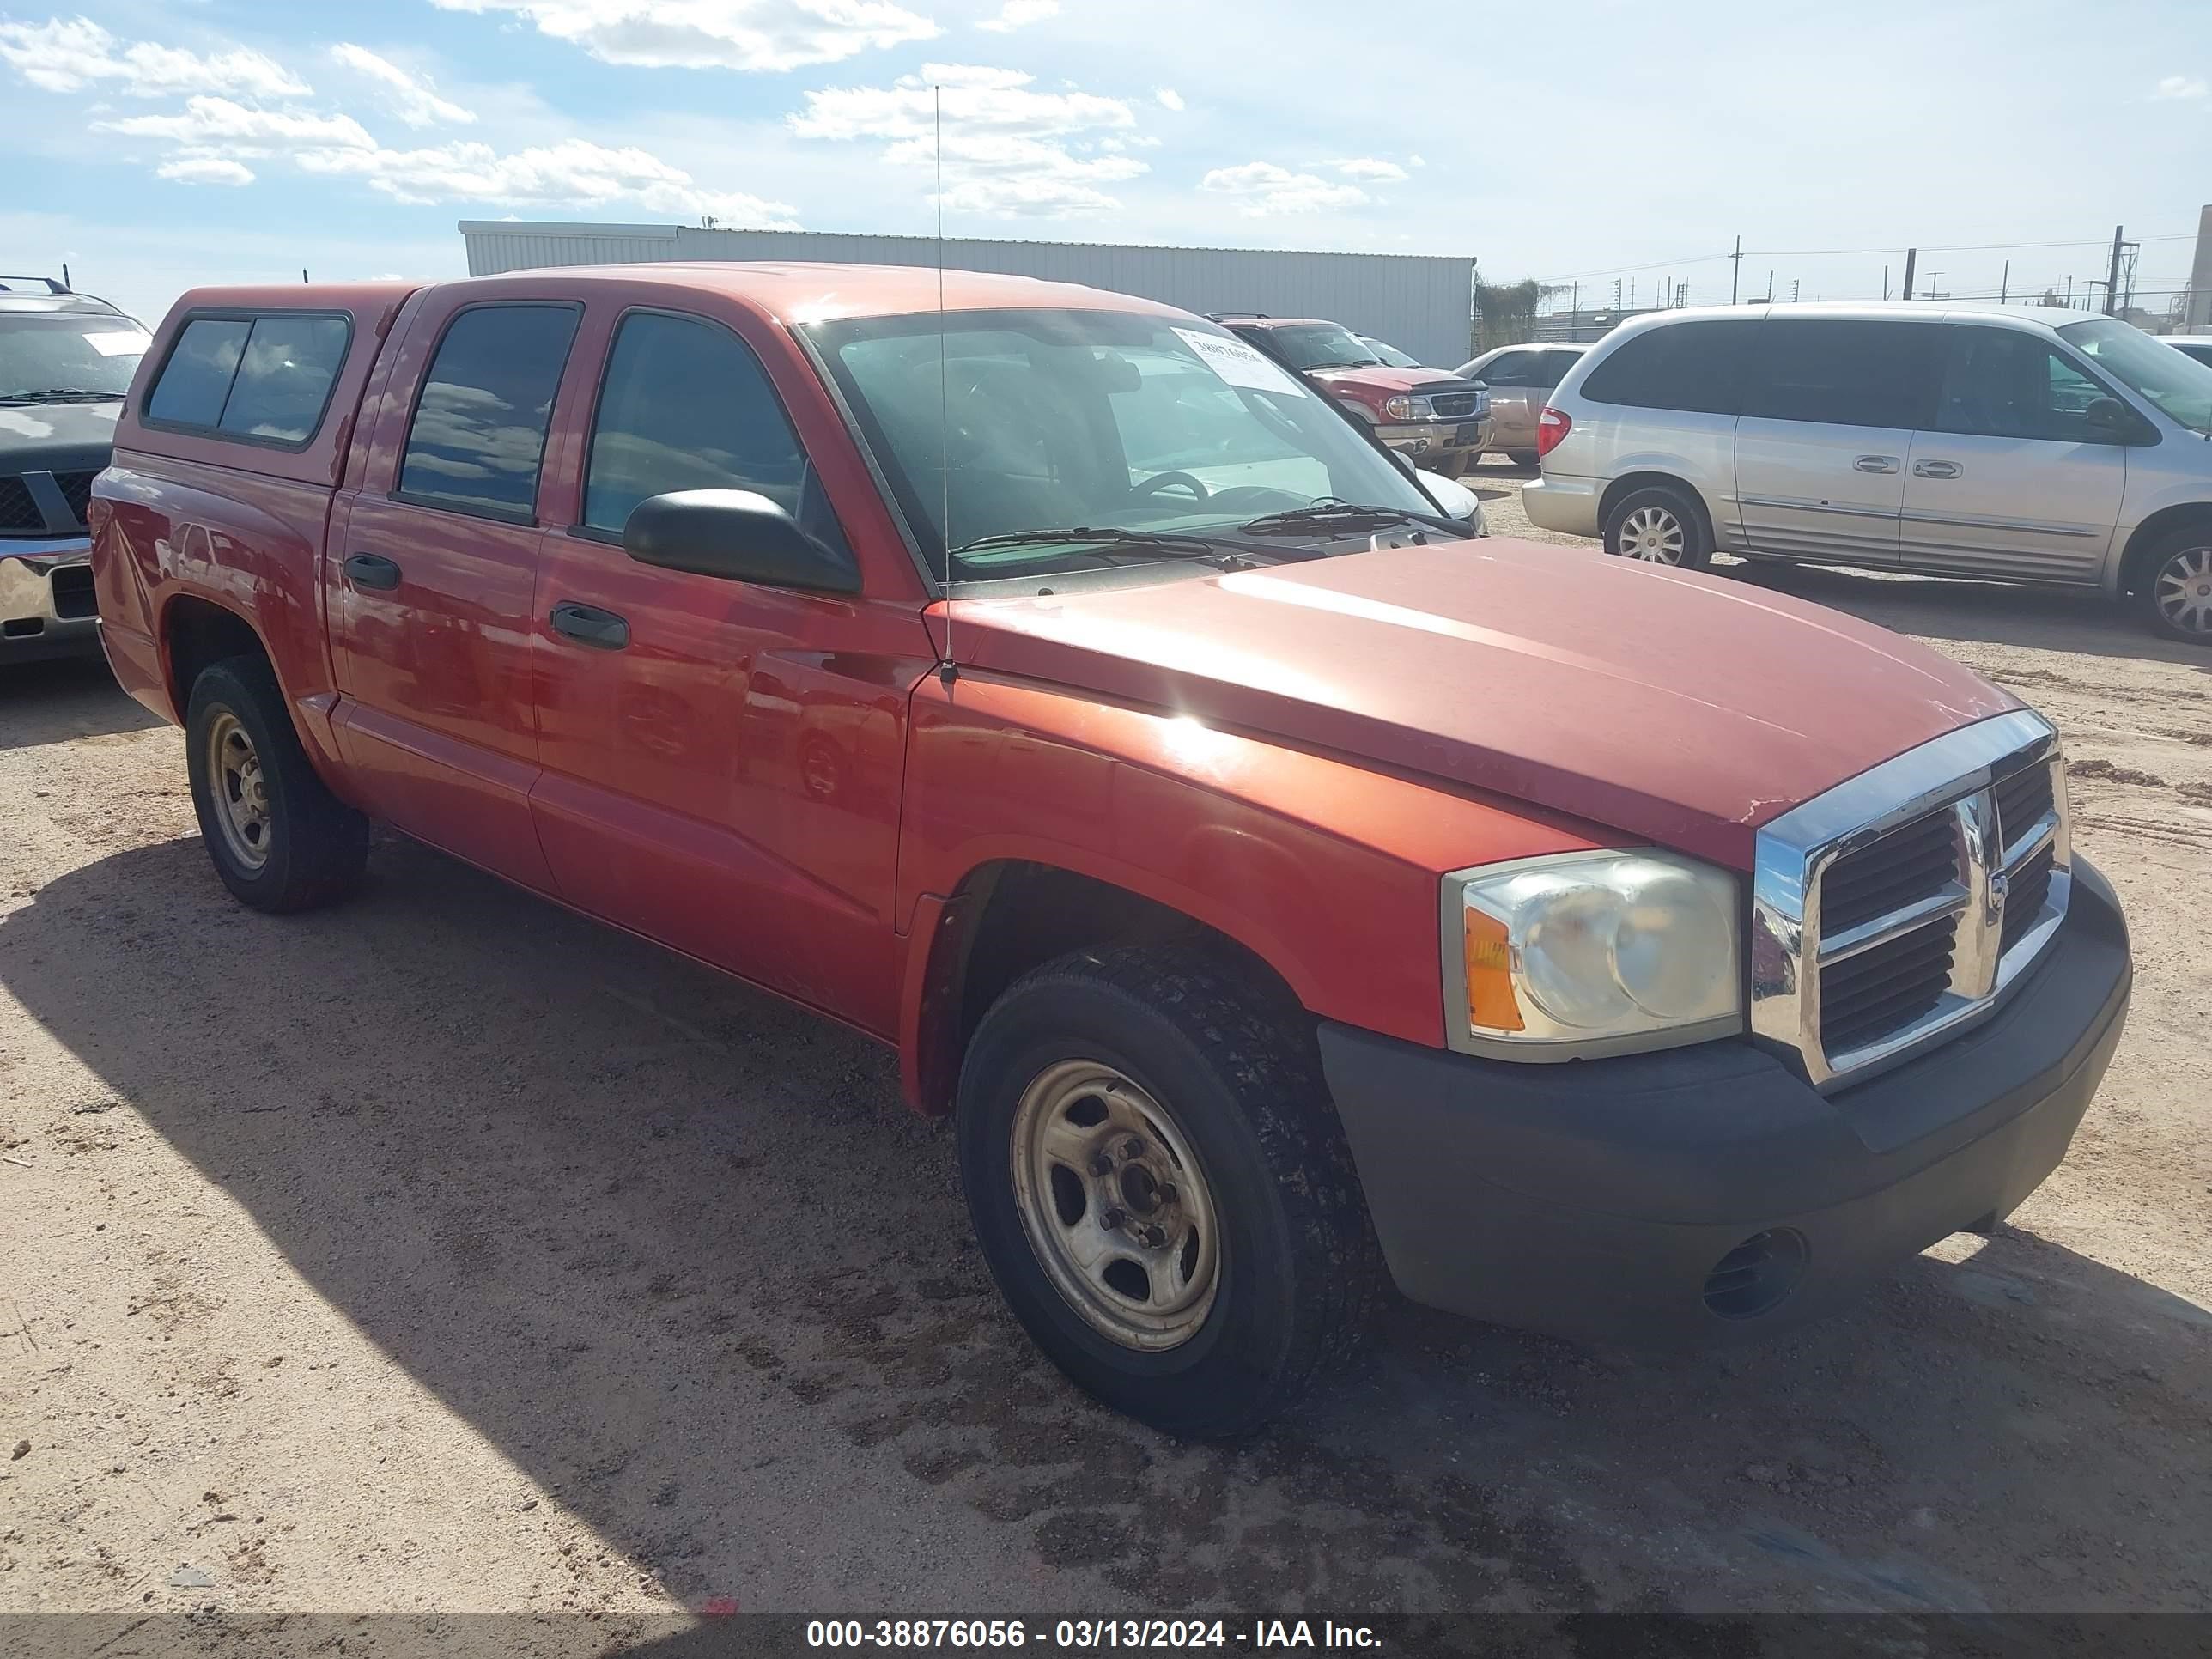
(2112, 415)
(737, 535)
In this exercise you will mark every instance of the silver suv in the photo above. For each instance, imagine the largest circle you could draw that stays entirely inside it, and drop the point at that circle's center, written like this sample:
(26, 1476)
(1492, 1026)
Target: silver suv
(2024, 444)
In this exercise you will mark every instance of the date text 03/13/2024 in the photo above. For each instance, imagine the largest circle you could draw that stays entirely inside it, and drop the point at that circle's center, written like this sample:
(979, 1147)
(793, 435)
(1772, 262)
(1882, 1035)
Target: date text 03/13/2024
(1086, 1634)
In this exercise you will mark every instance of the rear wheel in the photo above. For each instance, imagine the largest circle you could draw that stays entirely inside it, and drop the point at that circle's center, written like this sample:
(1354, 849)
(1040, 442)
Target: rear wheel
(1161, 1187)
(278, 838)
(1524, 458)
(2177, 584)
(1658, 525)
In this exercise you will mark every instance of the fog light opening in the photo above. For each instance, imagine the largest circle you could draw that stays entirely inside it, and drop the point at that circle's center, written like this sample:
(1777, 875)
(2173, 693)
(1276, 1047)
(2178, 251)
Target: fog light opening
(1757, 1276)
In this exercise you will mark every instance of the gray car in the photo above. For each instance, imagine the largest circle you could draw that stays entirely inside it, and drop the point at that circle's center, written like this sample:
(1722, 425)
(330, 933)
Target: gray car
(2026, 445)
(1520, 379)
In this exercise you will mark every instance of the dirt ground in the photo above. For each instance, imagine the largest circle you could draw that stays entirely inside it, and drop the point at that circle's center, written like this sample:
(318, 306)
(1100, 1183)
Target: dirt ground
(445, 1251)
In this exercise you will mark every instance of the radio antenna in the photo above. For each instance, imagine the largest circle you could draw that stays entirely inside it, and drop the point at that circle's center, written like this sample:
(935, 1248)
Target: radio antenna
(947, 671)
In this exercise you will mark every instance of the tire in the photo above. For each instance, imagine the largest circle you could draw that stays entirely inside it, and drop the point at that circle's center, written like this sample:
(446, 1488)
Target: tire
(1660, 524)
(1528, 458)
(309, 847)
(1282, 1288)
(2176, 587)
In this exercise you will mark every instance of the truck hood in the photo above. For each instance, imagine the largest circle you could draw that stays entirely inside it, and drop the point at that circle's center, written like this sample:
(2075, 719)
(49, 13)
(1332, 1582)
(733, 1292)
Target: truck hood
(1679, 709)
(56, 437)
(1381, 378)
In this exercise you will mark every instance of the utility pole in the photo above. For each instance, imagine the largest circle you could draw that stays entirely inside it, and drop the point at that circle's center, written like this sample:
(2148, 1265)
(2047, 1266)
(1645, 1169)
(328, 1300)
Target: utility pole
(1575, 313)
(1794, 283)
(1934, 277)
(1911, 259)
(2112, 283)
(1736, 278)
(1770, 288)
(2070, 294)
(1885, 281)
(2004, 284)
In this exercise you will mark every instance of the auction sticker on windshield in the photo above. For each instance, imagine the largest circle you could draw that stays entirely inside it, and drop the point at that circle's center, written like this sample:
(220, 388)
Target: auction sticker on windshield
(1236, 362)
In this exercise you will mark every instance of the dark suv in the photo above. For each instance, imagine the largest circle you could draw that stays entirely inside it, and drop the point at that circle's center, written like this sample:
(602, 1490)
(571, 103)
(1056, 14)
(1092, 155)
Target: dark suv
(66, 360)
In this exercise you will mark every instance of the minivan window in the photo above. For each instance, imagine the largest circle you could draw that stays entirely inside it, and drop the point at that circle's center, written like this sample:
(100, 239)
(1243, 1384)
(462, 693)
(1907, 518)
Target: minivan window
(478, 435)
(686, 406)
(2005, 383)
(265, 378)
(197, 377)
(2180, 386)
(1692, 366)
(1843, 372)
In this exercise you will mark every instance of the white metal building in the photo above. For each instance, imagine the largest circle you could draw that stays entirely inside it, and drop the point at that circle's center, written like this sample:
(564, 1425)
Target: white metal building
(1418, 302)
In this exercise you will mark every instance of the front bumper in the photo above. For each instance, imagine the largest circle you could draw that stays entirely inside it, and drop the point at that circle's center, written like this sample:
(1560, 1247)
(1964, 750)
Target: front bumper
(1597, 1199)
(1430, 439)
(46, 606)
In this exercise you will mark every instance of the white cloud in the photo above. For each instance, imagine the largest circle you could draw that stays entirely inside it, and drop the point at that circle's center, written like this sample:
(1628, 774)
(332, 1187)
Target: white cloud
(2180, 86)
(1169, 97)
(414, 98)
(740, 34)
(205, 170)
(1008, 148)
(218, 122)
(1417, 161)
(574, 173)
(1368, 167)
(1268, 189)
(68, 55)
(1020, 13)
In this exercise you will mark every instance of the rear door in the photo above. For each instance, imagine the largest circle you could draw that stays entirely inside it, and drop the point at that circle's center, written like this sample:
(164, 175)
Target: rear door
(1830, 406)
(2013, 478)
(437, 568)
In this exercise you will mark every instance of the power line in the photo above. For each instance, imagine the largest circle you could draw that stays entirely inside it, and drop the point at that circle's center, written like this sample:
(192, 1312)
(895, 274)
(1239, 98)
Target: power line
(1843, 253)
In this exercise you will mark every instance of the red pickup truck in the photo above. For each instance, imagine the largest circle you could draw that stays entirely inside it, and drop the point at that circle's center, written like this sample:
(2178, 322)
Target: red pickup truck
(1284, 895)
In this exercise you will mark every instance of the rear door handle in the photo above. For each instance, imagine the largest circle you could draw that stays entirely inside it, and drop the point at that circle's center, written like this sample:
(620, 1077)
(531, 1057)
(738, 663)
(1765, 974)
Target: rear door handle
(1876, 463)
(1937, 469)
(587, 624)
(366, 570)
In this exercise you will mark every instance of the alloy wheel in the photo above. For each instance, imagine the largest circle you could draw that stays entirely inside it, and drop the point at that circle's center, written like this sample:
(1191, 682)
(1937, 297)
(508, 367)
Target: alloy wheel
(1652, 534)
(2182, 591)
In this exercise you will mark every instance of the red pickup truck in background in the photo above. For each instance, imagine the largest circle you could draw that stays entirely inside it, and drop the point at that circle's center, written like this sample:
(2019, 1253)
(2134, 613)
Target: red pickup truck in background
(1436, 417)
(1283, 892)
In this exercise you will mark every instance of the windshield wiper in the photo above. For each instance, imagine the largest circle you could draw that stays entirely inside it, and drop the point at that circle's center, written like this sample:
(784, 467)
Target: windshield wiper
(1354, 362)
(57, 394)
(1334, 515)
(1208, 549)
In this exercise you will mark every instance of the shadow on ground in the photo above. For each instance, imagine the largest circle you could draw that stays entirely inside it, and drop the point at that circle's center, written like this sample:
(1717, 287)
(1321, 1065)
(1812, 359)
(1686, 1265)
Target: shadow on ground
(649, 1232)
(70, 697)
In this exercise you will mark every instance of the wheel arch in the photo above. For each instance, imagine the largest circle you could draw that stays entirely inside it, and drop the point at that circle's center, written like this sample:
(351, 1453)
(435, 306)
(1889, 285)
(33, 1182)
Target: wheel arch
(1645, 478)
(2144, 541)
(196, 632)
(1007, 916)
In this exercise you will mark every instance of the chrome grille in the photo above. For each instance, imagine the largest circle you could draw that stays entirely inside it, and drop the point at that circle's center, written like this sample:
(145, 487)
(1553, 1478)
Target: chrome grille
(1898, 907)
(1455, 405)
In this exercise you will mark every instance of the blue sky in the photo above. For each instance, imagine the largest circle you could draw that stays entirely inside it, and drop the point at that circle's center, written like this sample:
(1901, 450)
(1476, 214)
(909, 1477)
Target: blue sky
(154, 146)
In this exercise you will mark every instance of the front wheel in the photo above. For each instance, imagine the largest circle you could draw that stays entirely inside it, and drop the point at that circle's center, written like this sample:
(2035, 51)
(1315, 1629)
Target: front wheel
(1161, 1187)
(2177, 588)
(1657, 525)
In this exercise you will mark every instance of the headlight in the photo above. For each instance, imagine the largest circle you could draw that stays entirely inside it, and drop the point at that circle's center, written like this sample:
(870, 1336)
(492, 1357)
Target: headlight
(1584, 954)
(1403, 408)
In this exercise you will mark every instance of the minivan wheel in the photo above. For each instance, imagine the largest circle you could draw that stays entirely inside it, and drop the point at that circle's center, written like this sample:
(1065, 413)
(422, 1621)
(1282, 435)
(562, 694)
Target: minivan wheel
(1659, 526)
(276, 836)
(1161, 1187)
(2176, 587)
(1528, 458)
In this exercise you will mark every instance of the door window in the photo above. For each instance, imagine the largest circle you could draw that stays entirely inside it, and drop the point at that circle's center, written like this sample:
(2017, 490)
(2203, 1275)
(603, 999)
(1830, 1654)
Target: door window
(686, 406)
(1697, 367)
(1552, 368)
(1843, 374)
(2001, 383)
(478, 435)
(1507, 370)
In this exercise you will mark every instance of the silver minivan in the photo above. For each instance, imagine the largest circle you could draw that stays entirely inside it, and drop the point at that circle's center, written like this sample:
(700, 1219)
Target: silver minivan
(2024, 445)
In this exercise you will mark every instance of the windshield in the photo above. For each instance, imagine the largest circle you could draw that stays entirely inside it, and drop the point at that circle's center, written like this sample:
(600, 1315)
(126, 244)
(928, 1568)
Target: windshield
(42, 352)
(1113, 421)
(1389, 354)
(1319, 345)
(2178, 384)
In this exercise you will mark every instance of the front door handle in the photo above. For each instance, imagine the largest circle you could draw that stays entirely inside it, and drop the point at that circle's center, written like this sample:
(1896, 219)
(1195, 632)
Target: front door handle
(367, 570)
(587, 624)
(1937, 469)
(1876, 463)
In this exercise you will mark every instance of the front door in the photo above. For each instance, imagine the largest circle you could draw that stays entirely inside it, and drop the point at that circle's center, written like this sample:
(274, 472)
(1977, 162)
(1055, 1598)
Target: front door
(2016, 478)
(1513, 402)
(437, 568)
(1830, 406)
(722, 762)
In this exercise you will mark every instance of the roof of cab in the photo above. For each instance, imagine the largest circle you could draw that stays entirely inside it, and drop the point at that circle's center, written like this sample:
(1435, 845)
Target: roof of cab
(800, 293)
